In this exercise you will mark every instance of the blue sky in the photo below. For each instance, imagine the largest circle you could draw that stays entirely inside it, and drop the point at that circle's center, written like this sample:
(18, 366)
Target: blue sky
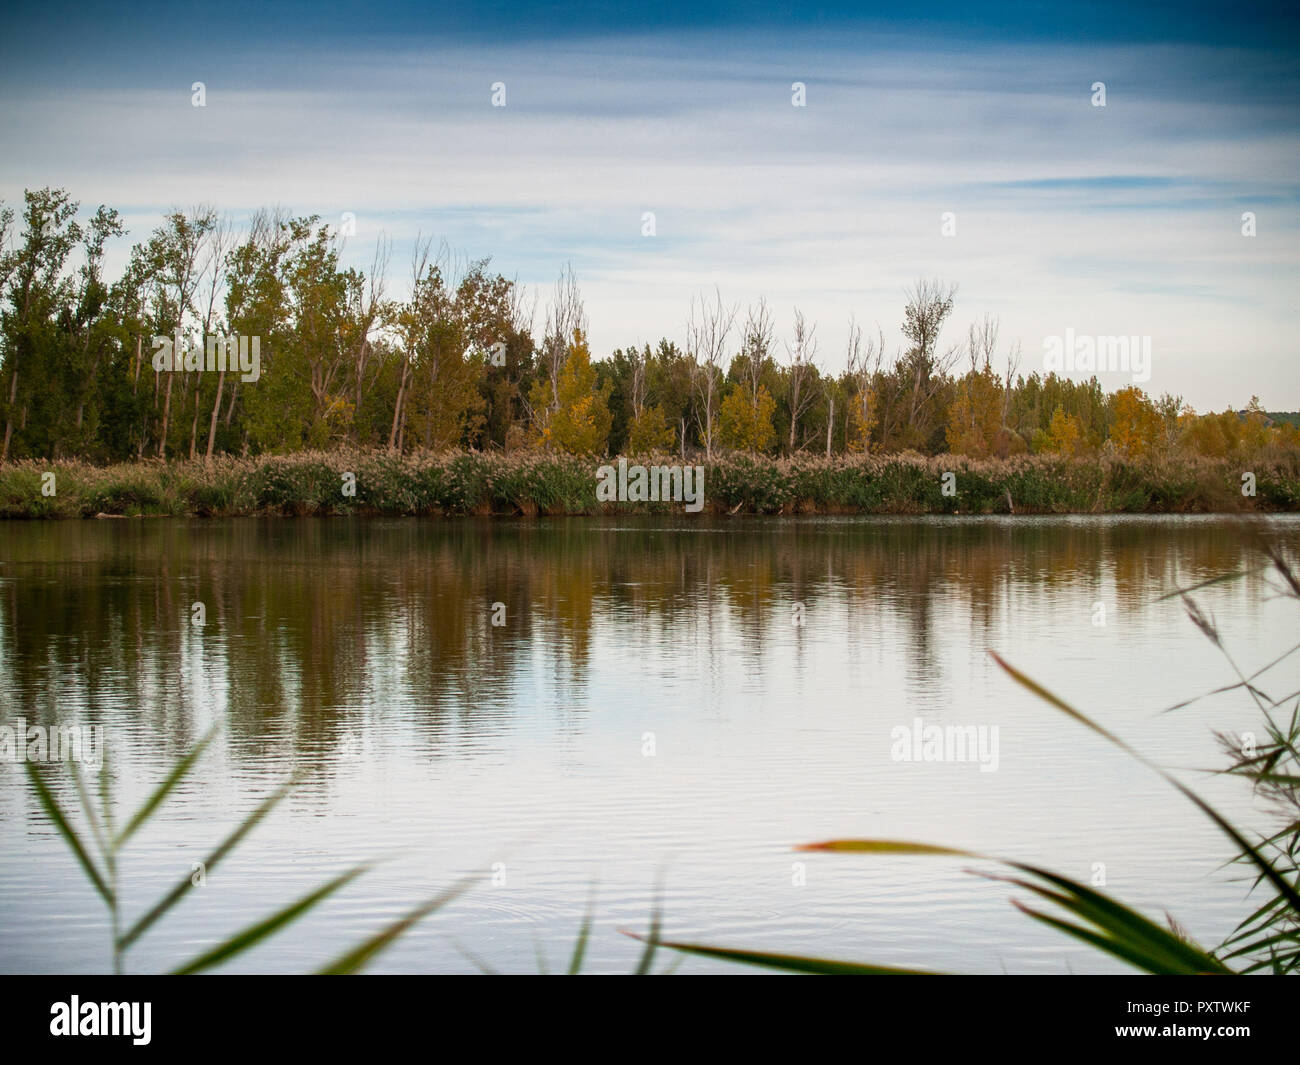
(1122, 220)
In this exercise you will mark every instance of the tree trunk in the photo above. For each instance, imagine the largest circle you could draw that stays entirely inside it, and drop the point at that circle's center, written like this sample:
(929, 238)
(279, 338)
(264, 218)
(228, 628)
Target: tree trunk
(167, 410)
(794, 411)
(393, 443)
(216, 408)
(9, 416)
(194, 425)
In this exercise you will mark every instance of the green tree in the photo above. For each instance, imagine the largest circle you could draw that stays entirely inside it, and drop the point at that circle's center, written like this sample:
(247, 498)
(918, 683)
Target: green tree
(444, 334)
(670, 376)
(170, 265)
(36, 294)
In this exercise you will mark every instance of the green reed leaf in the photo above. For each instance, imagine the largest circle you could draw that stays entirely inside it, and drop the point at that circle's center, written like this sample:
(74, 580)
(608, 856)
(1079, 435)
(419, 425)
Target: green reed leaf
(164, 789)
(787, 962)
(354, 960)
(241, 941)
(227, 845)
(69, 834)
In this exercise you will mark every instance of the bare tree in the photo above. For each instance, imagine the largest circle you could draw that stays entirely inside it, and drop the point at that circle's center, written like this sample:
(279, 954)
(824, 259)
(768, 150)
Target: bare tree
(803, 371)
(865, 354)
(830, 389)
(982, 342)
(707, 330)
(564, 316)
(756, 345)
(929, 303)
(219, 244)
(522, 313)
(639, 360)
(1008, 382)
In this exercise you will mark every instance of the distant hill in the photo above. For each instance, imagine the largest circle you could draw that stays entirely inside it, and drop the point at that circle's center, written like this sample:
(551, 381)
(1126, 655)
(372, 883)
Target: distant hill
(1290, 416)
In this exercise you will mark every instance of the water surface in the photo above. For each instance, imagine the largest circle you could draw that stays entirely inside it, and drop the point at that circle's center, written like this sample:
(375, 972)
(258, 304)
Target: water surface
(672, 703)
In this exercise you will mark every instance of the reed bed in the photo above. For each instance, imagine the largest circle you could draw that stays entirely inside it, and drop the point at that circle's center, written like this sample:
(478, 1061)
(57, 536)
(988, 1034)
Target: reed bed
(540, 483)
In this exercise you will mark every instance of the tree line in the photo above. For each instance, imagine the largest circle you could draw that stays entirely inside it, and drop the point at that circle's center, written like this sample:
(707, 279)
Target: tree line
(466, 361)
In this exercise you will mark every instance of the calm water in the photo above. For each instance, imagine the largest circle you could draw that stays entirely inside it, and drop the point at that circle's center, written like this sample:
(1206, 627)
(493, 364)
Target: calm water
(362, 653)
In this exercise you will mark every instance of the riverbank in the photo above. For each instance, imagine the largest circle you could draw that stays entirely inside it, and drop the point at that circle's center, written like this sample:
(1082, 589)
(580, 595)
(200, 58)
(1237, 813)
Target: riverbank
(473, 483)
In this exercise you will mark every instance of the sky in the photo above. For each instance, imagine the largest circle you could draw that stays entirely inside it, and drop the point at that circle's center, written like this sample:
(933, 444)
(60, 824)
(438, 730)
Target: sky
(1116, 220)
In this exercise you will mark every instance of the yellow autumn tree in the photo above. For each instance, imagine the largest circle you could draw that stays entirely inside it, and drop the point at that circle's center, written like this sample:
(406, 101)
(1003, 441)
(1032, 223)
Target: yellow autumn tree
(1286, 435)
(1065, 434)
(579, 422)
(976, 414)
(1212, 435)
(1231, 434)
(1137, 425)
(862, 421)
(745, 419)
(1254, 429)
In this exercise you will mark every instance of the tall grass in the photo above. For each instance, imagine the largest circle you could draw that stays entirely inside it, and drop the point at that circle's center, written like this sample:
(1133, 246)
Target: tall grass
(531, 483)
(1269, 938)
